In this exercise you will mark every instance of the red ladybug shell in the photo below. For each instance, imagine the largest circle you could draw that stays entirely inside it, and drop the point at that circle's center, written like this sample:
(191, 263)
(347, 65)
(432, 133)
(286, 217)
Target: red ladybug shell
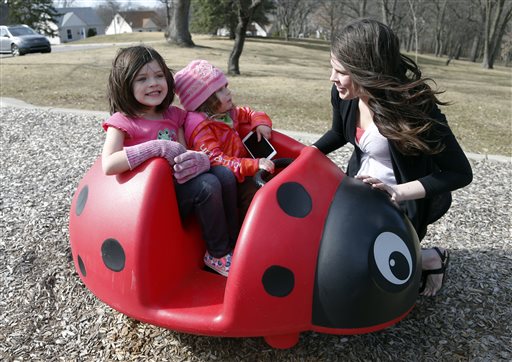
(132, 251)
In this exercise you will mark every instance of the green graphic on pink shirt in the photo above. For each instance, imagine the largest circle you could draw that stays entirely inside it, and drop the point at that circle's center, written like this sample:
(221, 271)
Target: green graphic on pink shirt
(167, 134)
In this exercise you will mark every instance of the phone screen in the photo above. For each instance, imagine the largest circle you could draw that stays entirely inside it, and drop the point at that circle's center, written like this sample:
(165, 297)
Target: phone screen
(262, 149)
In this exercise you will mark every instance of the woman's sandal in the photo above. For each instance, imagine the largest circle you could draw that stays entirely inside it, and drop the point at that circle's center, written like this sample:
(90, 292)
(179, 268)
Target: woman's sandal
(445, 259)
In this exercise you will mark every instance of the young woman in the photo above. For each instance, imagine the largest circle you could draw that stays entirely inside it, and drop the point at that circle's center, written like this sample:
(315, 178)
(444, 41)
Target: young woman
(402, 142)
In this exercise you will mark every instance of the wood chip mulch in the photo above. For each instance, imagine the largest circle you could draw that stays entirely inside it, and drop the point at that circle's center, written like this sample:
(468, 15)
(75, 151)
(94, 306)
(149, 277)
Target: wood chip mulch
(46, 313)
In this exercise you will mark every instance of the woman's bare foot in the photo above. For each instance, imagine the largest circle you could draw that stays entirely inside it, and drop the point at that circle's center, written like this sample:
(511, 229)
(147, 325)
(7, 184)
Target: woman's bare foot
(432, 260)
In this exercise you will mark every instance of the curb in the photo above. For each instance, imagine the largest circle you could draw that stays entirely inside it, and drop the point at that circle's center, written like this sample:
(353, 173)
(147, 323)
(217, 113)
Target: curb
(17, 103)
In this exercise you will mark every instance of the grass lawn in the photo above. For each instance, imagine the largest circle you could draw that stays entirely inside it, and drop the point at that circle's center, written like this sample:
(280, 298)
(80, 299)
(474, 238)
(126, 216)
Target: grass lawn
(289, 81)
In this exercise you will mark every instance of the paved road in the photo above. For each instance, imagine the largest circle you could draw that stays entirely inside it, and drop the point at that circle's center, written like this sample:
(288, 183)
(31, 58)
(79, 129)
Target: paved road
(57, 48)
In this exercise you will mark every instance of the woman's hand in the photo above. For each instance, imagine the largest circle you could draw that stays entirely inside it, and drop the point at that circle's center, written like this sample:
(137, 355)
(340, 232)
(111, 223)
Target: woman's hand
(263, 131)
(378, 184)
(266, 165)
(409, 191)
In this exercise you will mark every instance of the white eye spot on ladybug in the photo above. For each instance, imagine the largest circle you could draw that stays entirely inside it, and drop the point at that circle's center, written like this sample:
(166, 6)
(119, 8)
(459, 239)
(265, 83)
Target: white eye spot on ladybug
(393, 258)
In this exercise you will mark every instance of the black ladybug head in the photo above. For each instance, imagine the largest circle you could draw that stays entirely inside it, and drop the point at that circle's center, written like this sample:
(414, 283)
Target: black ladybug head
(368, 264)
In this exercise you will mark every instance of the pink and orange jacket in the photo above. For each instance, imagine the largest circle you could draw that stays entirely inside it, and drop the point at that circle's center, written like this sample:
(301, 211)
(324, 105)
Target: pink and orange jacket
(223, 143)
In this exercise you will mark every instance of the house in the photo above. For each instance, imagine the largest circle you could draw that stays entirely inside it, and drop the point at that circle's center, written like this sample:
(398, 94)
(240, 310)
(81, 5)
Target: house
(135, 21)
(253, 29)
(78, 23)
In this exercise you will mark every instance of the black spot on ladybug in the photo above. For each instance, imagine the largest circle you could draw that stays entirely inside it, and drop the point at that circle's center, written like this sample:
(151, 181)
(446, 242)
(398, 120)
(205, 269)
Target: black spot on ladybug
(81, 265)
(82, 200)
(294, 200)
(113, 255)
(278, 281)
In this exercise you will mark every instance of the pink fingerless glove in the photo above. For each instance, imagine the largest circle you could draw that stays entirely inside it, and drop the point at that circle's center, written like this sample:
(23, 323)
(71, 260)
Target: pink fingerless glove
(189, 165)
(156, 148)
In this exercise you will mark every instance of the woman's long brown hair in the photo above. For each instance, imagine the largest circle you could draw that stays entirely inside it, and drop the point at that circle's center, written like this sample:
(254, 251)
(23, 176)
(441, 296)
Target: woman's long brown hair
(400, 99)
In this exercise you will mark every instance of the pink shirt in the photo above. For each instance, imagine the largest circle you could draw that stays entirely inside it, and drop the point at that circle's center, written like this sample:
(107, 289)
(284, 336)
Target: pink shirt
(139, 130)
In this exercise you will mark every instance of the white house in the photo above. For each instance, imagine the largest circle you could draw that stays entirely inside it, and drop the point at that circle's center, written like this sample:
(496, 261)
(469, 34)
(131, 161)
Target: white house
(254, 29)
(135, 21)
(78, 23)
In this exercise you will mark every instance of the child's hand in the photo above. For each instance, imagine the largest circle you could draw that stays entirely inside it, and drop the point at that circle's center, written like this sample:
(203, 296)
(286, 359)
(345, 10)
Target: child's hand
(263, 131)
(266, 165)
(189, 165)
(170, 149)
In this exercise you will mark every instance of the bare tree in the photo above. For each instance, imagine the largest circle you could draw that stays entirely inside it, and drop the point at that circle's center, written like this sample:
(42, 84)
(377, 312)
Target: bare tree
(168, 11)
(246, 10)
(477, 46)
(63, 3)
(440, 11)
(497, 17)
(459, 31)
(285, 13)
(412, 5)
(329, 15)
(292, 16)
(299, 26)
(107, 10)
(177, 32)
(388, 9)
(356, 8)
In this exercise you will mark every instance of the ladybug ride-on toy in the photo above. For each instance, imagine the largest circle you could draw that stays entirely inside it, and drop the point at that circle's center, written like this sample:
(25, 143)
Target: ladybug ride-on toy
(317, 251)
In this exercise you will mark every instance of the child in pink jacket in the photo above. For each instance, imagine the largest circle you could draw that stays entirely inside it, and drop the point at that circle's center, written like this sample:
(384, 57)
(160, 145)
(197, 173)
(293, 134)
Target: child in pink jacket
(214, 124)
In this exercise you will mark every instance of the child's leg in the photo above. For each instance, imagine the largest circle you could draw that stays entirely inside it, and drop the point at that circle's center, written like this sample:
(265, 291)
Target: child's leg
(246, 191)
(229, 196)
(203, 195)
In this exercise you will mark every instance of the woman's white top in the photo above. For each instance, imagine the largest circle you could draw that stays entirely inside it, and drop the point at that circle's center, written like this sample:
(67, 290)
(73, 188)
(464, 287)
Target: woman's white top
(376, 159)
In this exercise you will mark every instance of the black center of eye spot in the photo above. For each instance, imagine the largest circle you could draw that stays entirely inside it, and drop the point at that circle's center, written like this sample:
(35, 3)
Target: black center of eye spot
(399, 265)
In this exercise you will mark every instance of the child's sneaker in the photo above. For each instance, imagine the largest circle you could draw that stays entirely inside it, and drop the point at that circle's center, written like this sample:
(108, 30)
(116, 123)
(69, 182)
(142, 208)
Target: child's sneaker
(220, 265)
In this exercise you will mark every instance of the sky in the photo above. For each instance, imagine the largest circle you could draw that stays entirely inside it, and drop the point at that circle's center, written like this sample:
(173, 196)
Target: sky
(135, 3)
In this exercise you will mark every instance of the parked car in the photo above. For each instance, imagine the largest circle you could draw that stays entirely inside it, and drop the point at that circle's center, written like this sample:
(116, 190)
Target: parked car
(22, 39)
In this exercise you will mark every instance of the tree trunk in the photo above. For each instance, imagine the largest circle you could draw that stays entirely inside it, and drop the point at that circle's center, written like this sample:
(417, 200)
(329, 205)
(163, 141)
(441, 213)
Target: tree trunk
(439, 29)
(388, 12)
(244, 18)
(508, 57)
(458, 51)
(362, 8)
(384, 10)
(494, 29)
(177, 32)
(475, 48)
(500, 33)
(415, 28)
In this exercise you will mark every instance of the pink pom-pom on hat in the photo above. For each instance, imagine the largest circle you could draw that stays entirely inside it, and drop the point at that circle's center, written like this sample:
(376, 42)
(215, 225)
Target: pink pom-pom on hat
(196, 82)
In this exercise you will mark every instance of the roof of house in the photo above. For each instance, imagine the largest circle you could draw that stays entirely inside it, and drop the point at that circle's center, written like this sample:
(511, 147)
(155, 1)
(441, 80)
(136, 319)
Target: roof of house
(87, 15)
(139, 19)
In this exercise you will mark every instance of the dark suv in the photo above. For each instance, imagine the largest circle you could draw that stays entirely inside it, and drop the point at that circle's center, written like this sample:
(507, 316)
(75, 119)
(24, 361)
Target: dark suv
(22, 39)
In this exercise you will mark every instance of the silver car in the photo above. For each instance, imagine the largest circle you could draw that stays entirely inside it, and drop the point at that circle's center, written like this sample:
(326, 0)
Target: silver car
(22, 39)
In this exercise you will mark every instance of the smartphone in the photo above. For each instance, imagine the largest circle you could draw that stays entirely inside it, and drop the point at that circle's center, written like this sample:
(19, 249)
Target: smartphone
(262, 149)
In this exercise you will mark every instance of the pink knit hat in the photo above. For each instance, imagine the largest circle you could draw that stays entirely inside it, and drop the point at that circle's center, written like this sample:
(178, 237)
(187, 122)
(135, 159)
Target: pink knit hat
(196, 82)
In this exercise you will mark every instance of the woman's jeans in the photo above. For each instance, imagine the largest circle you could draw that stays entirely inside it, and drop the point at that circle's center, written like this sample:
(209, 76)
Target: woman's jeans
(212, 196)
